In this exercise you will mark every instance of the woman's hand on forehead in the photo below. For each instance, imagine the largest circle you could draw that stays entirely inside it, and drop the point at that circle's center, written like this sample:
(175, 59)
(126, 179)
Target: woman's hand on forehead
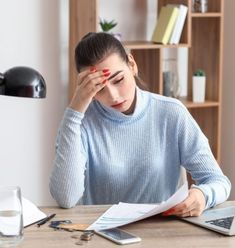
(89, 83)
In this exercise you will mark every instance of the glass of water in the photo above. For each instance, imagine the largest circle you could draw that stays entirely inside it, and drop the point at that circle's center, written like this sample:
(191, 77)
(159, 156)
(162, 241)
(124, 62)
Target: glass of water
(11, 217)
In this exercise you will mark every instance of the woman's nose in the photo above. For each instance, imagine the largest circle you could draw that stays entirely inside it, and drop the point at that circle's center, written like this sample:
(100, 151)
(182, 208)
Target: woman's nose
(112, 92)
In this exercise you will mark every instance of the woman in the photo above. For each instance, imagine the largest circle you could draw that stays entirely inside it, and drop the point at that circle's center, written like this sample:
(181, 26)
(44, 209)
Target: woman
(117, 142)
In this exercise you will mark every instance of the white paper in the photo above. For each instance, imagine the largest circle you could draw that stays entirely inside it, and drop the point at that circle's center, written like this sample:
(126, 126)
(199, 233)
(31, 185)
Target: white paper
(31, 213)
(126, 213)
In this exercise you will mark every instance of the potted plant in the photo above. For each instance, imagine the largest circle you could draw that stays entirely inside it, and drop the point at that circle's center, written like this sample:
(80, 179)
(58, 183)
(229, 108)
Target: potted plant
(106, 26)
(199, 85)
(199, 73)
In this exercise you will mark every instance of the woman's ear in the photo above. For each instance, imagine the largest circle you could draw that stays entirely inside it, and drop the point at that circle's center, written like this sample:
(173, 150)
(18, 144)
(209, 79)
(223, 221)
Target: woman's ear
(132, 64)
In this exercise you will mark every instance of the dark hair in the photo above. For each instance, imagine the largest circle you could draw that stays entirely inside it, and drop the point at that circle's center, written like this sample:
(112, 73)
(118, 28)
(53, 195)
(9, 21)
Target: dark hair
(96, 46)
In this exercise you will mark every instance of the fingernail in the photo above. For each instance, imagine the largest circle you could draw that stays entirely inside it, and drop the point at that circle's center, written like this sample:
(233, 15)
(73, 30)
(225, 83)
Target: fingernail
(105, 70)
(167, 213)
(106, 74)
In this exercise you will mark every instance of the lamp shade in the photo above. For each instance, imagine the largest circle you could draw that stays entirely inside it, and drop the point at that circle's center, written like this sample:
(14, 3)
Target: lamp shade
(22, 82)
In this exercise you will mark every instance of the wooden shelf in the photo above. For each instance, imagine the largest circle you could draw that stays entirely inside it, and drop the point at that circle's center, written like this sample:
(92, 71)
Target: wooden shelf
(206, 15)
(207, 104)
(149, 45)
(202, 35)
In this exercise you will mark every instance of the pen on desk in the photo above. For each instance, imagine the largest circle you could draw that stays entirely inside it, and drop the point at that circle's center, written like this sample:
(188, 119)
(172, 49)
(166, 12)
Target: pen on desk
(45, 220)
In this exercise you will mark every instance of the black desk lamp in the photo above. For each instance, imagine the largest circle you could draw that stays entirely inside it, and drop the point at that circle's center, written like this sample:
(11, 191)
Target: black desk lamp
(22, 82)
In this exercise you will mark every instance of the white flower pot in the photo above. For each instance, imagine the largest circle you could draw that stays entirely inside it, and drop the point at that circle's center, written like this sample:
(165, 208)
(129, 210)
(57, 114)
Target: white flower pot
(199, 88)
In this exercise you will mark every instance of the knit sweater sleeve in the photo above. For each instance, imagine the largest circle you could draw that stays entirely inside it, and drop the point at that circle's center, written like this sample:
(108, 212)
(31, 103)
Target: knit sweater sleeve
(67, 177)
(197, 158)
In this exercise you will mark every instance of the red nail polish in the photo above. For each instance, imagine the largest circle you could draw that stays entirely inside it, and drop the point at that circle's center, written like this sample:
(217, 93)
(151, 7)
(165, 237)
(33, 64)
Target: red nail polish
(168, 212)
(105, 70)
(106, 74)
(165, 213)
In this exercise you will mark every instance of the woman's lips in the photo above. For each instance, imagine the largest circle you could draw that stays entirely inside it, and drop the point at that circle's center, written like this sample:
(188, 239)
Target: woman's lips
(118, 105)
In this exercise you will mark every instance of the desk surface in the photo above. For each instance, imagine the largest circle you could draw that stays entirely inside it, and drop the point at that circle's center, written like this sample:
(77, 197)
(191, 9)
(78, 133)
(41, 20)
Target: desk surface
(157, 231)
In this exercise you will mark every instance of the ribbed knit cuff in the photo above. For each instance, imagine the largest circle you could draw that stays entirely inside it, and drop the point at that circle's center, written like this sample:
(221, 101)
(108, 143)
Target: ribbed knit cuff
(205, 189)
(73, 115)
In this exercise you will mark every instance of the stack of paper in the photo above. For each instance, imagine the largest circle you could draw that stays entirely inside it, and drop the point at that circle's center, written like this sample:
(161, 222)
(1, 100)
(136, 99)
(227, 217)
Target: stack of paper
(31, 213)
(126, 213)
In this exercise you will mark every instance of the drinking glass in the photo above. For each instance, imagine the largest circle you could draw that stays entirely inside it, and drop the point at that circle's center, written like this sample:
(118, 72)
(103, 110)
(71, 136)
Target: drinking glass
(11, 218)
(171, 85)
(200, 6)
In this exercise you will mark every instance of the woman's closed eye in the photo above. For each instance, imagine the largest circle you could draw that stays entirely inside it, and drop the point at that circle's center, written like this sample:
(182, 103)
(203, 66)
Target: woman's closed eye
(118, 80)
(115, 81)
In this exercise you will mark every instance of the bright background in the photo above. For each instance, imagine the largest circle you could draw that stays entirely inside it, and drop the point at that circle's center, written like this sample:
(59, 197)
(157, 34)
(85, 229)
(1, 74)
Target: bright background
(35, 33)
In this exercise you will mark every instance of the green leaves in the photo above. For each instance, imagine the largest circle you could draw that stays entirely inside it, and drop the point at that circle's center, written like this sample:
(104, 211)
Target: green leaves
(107, 25)
(199, 73)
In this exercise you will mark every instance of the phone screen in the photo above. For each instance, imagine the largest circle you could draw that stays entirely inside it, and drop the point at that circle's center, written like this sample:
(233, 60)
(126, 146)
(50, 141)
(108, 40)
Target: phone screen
(119, 236)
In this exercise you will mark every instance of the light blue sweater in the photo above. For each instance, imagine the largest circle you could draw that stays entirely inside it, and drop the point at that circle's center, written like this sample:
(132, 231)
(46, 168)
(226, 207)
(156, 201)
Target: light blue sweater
(104, 156)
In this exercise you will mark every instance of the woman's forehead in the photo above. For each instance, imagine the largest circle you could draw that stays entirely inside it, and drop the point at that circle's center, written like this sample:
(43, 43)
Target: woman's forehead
(113, 60)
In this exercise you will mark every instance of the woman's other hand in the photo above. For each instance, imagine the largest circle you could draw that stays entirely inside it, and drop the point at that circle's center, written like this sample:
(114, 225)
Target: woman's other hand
(193, 205)
(89, 82)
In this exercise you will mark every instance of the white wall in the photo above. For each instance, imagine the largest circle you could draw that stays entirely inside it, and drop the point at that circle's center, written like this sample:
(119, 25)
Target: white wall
(228, 110)
(30, 36)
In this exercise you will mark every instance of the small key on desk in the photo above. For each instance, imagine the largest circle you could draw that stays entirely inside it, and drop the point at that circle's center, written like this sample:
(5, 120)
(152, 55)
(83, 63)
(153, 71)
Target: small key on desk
(87, 235)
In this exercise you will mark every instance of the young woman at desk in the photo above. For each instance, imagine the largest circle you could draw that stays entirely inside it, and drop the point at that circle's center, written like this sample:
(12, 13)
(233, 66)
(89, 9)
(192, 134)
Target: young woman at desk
(117, 142)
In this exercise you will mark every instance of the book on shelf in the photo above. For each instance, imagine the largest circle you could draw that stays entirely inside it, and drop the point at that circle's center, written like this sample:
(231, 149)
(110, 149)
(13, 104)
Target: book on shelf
(179, 24)
(165, 24)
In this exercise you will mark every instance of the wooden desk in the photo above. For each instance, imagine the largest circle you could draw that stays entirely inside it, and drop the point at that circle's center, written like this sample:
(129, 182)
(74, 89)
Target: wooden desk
(155, 232)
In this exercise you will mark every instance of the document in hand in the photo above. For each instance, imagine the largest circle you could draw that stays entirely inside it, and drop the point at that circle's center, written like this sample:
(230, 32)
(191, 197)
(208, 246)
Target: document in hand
(125, 213)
